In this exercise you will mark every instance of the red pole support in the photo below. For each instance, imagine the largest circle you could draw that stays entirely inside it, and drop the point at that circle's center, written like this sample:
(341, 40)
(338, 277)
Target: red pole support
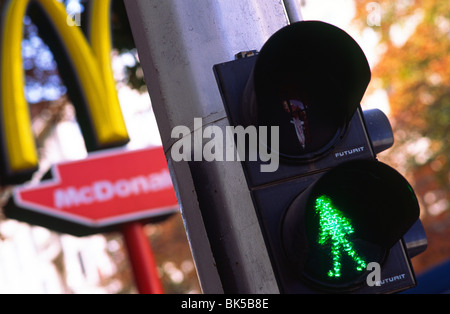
(142, 259)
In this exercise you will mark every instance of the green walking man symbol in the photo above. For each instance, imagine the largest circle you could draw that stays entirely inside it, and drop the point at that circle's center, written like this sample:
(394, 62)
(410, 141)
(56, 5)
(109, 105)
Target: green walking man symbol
(335, 228)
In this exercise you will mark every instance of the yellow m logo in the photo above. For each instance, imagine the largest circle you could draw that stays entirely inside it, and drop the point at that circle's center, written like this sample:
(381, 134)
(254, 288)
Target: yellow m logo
(99, 114)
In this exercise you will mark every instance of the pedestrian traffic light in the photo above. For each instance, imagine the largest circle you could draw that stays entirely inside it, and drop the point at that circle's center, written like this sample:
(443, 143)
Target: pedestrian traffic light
(331, 209)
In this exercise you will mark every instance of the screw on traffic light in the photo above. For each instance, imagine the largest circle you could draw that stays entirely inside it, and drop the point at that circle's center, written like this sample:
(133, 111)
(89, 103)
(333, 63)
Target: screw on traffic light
(331, 208)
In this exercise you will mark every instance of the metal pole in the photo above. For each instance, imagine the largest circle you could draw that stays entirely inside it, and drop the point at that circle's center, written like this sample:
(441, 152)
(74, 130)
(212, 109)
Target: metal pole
(178, 42)
(142, 259)
(293, 12)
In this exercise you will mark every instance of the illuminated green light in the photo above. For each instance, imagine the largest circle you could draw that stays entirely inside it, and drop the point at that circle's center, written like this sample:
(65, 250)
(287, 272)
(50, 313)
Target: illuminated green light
(334, 228)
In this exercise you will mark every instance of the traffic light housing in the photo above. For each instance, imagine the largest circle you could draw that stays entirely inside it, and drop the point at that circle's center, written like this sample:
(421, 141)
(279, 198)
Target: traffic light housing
(330, 209)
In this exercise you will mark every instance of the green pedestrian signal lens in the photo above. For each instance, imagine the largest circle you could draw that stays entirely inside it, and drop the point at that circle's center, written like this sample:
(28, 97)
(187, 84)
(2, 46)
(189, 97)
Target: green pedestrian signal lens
(335, 229)
(338, 251)
(349, 217)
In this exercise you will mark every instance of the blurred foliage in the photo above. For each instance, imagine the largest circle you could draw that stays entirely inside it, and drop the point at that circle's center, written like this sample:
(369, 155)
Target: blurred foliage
(414, 69)
(416, 75)
(122, 39)
(123, 42)
(173, 256)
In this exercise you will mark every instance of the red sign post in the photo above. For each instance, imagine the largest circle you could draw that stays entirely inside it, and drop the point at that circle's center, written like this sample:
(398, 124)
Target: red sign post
(113, 190)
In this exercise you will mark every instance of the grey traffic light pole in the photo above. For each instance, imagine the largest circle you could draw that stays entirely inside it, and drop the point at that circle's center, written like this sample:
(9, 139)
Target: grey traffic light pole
(178, 42)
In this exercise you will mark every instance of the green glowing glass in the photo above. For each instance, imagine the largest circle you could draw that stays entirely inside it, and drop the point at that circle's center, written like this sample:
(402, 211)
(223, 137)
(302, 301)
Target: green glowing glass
(334, 230)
